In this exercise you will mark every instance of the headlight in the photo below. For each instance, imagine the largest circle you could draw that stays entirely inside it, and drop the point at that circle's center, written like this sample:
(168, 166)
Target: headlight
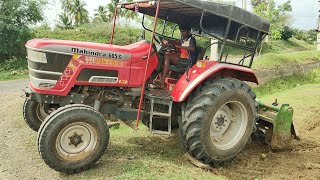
(36, 56)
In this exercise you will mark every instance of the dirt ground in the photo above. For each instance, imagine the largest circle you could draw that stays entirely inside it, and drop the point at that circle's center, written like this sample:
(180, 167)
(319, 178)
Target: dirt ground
(19, 158)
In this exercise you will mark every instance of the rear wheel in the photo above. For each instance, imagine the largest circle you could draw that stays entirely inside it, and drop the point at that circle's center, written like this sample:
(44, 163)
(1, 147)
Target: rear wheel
(218, 120)
(73, 138)
(34, 114)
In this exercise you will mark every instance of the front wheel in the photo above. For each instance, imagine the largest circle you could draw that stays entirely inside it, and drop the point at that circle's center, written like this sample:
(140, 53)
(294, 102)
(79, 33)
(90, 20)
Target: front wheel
(34, 114)
(73, 138)
(218, 120)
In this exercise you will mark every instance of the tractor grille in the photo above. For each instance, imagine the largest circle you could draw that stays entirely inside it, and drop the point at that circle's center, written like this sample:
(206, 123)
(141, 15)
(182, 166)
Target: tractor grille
(46, 68)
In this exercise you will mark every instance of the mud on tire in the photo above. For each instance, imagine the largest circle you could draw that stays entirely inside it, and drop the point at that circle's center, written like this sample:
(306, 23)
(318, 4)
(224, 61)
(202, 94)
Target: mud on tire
(218, 120)
(33, 114)
(73, 138)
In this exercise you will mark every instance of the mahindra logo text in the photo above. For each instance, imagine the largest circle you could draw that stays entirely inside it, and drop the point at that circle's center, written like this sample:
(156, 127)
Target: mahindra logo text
(87, 52)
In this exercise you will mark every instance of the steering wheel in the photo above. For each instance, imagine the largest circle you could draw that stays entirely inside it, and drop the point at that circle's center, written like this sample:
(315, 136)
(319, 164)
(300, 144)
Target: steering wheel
(169, 47)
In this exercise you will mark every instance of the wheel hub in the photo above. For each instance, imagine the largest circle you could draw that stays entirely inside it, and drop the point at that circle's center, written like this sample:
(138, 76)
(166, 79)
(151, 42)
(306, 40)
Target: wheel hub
(220, 123)
(40, 112)
(75, 139)
(228, 125)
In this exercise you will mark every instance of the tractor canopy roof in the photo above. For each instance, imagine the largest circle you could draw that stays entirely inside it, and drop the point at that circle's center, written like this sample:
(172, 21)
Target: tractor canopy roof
(222, 21)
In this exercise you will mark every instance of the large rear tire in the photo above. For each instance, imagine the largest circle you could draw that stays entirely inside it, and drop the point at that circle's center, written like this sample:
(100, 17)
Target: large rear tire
(218, 120)
(73, 138)
(33, 114)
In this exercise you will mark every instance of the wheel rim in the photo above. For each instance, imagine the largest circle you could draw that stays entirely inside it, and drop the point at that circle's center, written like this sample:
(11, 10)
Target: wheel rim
(228, 125)
(76, 141)
(41, 114)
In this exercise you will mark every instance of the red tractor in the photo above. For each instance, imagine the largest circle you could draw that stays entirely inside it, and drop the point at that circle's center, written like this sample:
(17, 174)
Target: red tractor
(74, 85)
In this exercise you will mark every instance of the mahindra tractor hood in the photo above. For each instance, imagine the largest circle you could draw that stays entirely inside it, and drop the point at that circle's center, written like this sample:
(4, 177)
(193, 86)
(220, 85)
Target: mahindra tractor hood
(49, 59)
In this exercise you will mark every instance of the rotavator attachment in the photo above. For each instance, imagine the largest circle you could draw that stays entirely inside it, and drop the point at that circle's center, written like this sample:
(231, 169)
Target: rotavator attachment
(281, 121)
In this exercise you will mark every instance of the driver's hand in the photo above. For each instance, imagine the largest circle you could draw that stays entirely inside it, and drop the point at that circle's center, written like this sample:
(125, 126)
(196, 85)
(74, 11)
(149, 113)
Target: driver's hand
(165, 42)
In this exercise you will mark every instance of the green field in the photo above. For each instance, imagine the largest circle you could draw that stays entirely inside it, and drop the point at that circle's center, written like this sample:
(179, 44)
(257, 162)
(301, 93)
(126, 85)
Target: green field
(275, 60)
(285, 83)
(13, 69)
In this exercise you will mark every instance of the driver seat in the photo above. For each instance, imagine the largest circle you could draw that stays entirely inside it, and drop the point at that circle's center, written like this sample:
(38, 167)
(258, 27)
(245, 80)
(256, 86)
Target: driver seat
(184, 64)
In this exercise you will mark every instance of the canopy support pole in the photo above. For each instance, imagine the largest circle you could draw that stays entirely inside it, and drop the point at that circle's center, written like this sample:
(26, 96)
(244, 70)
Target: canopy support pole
(114, 24)
(147, 64)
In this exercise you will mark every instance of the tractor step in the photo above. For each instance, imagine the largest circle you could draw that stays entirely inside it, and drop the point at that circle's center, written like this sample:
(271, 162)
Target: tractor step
(158, 93)
(159, 97)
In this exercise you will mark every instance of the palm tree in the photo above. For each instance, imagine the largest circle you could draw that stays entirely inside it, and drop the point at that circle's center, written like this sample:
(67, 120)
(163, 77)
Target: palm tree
(129, 14)
(102, 14)
(111, 7)
(65, 21)
(121, 13)
(77, 9)
(66, 5)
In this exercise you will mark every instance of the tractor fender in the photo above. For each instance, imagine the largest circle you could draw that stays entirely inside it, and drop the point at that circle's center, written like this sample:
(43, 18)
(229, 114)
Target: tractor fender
(204, 70)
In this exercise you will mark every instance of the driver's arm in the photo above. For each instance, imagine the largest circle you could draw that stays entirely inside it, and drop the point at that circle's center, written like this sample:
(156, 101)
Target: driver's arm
(188, 48)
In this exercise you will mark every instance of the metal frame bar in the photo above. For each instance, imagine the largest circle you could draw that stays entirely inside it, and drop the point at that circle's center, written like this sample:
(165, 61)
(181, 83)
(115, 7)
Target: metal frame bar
(220, 39)
(147, 64)
(242, 60)
(144, 27)
(174, 29)
(114, 24)
(239, 30)
(227, 42)
(164, 26)
(225, 39)
(219, 15)
(246, 42)
(255, 48)
(185, 3)
(142, 1)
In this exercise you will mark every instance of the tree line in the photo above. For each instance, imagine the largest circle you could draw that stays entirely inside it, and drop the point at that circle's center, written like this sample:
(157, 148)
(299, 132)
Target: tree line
(19, 17)
(75, 13)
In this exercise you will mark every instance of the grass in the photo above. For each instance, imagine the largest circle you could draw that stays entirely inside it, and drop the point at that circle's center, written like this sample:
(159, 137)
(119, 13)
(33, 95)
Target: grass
(95, 32)
(13, 69)
(305, 101)
(292, 45)
(274, 60)
(276, 46)
(285, 83)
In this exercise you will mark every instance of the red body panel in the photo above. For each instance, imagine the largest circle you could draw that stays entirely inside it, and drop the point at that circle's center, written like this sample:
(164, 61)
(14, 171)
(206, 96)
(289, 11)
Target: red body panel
(139, 64)
(206, 69)
(130, 70)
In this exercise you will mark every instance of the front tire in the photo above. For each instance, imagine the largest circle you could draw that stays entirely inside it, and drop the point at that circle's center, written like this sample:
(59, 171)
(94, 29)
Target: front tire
(33, 114)
(218, 120)
(73, 138)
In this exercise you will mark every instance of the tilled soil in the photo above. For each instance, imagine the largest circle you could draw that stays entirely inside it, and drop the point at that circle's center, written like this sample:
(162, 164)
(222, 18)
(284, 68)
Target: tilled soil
(19, 158)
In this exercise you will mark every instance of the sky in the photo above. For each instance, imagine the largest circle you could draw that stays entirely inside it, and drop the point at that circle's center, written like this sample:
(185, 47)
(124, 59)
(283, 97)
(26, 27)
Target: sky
(304, 12)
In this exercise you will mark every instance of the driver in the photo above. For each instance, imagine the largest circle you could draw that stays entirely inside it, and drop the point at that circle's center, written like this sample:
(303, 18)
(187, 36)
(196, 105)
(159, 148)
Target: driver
(188, 52)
